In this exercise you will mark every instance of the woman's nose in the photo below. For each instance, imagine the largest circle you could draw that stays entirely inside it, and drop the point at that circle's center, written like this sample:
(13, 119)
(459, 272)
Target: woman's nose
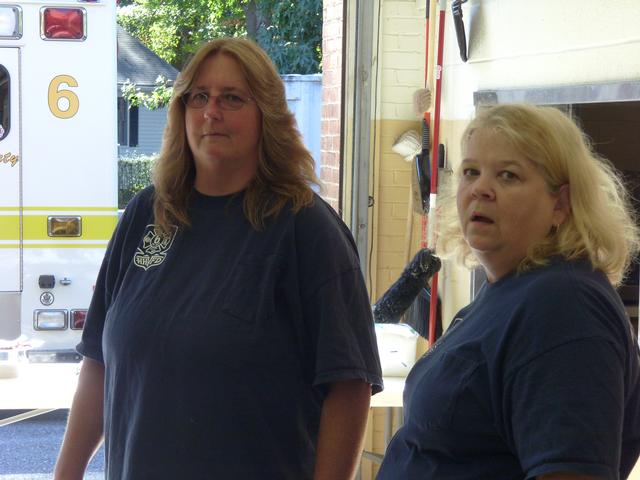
(483, 187)
(212, 109)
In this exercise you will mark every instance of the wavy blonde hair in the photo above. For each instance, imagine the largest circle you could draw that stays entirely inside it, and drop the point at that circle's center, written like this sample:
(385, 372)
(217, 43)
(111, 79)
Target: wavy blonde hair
(601, 225)
(285, 167)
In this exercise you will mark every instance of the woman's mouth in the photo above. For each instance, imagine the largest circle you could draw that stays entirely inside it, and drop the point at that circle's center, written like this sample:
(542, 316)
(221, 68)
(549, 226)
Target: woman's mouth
(476, 217)
(214, 135)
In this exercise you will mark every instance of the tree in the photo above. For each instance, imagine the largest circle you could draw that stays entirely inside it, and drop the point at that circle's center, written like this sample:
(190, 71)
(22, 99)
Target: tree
(171, 29)
(157, 98)
(292, 35)
(289, 30)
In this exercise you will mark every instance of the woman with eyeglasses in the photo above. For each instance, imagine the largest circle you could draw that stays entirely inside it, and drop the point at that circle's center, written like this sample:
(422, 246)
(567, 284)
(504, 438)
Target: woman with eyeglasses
(230, 335)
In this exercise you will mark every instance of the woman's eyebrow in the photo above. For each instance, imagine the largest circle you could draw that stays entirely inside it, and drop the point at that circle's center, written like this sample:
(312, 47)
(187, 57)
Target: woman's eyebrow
(226, 89)
(509, 163)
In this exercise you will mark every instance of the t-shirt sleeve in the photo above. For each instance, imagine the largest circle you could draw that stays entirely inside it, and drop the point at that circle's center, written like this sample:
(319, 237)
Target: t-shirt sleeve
(335, 303)
(340, 315)
(565, 409)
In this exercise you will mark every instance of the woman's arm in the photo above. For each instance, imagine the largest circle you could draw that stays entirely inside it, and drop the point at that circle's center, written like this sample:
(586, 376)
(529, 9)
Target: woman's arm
(342, 426)
(84, 428)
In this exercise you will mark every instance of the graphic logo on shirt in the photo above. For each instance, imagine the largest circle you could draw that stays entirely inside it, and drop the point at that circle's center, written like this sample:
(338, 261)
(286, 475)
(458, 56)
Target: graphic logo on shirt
(155, 245)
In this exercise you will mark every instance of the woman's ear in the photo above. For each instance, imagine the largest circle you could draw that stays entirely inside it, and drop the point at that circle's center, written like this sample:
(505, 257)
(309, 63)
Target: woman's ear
(562, 209)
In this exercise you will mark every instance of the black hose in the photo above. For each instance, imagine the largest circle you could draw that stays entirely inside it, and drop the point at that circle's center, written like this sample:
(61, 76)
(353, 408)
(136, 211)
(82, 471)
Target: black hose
(399, 297)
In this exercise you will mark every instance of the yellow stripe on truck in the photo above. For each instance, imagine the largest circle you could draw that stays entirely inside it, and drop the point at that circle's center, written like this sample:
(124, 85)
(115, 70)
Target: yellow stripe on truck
(9, 227)
(55, 245)
(59, 209)
(94, 227)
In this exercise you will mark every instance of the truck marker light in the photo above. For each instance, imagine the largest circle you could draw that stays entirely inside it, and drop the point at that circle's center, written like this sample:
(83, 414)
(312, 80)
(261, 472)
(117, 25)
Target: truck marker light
(63, 24)
(77, 319)
(64, 226)
(49, 319)
(10, 22)
(46, 282)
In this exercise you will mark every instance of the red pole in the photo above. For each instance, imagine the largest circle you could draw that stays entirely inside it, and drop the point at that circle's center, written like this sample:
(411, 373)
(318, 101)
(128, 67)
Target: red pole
(433, 303)
(426, 114)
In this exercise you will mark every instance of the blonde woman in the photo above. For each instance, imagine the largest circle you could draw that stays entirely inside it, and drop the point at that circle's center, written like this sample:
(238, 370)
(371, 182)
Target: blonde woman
(539, 377)
(230, 335)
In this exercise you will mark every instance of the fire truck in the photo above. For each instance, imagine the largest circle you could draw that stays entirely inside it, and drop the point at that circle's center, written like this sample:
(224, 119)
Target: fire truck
(58, 169)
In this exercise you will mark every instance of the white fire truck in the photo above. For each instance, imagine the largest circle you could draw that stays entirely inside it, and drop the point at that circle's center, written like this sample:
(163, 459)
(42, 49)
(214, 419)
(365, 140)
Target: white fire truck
(58, 168)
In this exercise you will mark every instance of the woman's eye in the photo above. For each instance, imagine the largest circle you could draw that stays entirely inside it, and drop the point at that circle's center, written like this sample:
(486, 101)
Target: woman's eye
(230, 97)
(507, 175)
(469, 172)
(201, 98)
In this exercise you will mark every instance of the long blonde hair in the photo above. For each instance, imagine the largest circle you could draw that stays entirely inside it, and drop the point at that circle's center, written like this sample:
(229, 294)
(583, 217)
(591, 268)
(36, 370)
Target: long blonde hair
(285, 167)
(601, 225)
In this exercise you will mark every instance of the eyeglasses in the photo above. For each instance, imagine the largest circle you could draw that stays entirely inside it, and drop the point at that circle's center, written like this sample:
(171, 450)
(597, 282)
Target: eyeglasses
(224, 101)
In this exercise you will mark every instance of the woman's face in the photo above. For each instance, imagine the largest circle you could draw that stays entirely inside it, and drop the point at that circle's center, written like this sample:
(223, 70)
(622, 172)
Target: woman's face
(224, 143)
(504, 204)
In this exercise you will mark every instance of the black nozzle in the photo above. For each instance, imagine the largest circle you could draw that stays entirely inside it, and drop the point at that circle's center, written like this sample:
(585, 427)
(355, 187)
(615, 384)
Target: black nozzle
(456, 8)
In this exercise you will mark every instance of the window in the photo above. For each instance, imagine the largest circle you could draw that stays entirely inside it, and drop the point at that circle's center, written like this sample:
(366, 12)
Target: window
(127, 124)
(5, 102)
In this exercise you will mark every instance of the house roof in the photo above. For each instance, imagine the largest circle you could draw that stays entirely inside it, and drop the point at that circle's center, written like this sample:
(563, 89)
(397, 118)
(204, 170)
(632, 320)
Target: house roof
(139, 64)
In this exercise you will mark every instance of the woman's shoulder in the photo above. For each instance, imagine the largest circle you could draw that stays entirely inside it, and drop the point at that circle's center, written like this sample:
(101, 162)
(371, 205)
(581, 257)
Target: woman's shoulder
(319, 228)
(137, 214)
(142, 202)
(570, 299)
(567, 279)
(563, 304)
(144, 197)
(319, 214)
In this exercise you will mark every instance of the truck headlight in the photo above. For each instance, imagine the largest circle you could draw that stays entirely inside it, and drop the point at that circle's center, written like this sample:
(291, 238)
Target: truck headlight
(50, 319)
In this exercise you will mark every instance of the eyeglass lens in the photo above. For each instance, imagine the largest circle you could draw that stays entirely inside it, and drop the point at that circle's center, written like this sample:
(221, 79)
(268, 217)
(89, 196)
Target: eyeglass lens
(225, 101)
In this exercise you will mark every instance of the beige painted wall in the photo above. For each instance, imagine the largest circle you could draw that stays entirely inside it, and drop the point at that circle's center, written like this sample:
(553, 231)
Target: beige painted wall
(400, 71)
(514, 44)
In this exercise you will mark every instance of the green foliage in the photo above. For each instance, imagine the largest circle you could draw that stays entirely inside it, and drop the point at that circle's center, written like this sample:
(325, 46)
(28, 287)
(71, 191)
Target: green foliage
(158, 98)
(174, 29)
(134, 174)
(289, 30)
(293, 37)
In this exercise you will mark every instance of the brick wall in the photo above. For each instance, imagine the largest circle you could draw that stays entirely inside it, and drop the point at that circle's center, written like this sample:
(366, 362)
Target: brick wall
(331, 97)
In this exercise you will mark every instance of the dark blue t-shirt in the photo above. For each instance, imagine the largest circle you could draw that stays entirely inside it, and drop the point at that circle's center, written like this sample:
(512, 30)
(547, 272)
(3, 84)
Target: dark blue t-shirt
(539, 374)
(219, 340)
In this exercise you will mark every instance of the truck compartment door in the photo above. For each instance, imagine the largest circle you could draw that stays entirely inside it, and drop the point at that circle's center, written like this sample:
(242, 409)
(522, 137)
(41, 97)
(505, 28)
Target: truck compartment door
(10, 199)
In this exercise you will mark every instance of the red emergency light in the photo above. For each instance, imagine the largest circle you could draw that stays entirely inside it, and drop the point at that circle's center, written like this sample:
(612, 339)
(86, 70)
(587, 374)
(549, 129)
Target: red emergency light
(63, 24)
(77, 319)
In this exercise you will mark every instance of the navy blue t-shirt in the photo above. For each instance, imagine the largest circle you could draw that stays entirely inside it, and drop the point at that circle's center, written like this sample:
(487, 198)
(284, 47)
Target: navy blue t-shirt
(539, 374)
(219, 340)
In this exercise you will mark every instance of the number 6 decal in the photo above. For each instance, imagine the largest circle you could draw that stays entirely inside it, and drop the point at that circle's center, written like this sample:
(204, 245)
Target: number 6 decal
(56, 94)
